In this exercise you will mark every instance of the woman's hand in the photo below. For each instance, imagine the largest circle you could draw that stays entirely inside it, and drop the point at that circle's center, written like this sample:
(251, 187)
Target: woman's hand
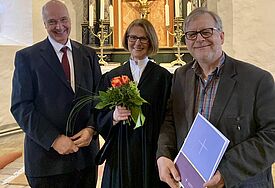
(120, 114)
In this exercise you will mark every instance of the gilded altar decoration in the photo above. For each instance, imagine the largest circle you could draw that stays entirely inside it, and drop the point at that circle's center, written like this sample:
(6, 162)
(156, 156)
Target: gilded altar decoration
(144, 8)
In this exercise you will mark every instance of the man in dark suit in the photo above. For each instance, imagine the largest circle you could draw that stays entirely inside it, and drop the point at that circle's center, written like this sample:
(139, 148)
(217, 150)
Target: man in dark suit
(43, 95)
(237, 97)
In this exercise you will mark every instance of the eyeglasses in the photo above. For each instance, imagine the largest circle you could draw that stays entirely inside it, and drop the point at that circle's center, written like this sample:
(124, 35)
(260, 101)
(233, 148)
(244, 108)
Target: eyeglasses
(134, 38)
(53, 22)
(205, 33)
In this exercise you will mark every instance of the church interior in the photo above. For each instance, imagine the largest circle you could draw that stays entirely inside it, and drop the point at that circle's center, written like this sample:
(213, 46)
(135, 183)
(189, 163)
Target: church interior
(249, 28)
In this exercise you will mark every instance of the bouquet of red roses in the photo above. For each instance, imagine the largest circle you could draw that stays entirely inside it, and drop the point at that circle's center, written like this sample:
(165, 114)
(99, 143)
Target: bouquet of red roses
(123, 93)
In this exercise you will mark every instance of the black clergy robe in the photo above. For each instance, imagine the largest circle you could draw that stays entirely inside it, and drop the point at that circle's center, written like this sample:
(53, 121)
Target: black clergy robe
(131, 154)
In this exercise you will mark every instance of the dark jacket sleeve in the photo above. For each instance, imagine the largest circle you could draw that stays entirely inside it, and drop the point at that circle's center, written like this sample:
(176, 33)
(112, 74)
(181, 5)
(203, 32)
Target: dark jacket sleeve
(167, 136)
(22, 104)
(252, 149)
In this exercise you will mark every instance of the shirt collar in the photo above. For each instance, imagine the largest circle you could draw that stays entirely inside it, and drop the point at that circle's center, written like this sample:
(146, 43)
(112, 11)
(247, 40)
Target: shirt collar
(141, 64)
(217, 71)
(57, 46)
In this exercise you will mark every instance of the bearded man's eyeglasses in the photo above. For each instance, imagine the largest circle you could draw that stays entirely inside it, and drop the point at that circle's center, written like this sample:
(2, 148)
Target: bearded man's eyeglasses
(205, 33)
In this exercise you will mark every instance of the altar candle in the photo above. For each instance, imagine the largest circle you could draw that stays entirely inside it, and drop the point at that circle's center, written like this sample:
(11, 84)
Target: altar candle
(167, 15)
(111, 13)
(189, 7)
(102, 9)
(91, 15)
(177, 8)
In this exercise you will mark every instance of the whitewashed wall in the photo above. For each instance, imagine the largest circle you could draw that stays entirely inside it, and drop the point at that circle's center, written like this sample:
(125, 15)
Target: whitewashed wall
(15, 22)
(249, 35)
(249, 30)
(29, 25)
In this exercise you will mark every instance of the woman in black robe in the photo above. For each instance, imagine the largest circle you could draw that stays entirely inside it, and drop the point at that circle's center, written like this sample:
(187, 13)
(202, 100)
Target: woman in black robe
(130, 154)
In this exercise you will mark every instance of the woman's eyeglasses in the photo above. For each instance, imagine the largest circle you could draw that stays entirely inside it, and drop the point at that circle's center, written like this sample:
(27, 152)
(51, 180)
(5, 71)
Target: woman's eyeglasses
(134, 38)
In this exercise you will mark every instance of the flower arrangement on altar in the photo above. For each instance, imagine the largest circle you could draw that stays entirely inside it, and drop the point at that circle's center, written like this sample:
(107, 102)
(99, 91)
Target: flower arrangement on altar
(123, 92)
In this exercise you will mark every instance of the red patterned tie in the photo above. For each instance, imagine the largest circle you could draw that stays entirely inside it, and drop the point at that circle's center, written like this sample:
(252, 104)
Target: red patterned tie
(65, 63)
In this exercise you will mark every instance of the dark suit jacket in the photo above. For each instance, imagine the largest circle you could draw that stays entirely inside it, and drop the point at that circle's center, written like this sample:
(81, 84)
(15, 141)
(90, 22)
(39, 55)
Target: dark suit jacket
(243, 110)
(42, 100)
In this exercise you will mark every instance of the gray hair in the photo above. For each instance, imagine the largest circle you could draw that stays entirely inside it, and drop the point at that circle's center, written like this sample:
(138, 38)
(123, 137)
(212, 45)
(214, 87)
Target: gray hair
(200, 11)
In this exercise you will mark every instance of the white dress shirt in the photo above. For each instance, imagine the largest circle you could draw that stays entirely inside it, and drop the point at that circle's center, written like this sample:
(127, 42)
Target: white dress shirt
(137, 68)
(57, 47)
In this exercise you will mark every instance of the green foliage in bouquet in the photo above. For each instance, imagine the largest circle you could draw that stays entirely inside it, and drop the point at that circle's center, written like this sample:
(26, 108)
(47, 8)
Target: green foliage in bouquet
(122, 93)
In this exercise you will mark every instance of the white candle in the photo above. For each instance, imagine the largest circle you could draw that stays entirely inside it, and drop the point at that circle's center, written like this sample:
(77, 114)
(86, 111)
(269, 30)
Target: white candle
(189, 7)
(91, 15)
(177, 8)
(102, 9)
(167, 15)
(111, 13)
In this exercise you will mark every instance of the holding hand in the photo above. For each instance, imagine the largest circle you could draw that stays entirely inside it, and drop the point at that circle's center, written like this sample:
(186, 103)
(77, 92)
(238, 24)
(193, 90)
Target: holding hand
(84, 137)
(168, 172)
(64, 145)
(215, 182)
(120, 114)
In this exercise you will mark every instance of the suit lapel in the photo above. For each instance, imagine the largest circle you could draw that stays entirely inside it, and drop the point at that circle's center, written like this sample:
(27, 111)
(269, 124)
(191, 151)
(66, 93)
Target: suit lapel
(189, 89)
(78, 64)
(224, 92)
(50, 57)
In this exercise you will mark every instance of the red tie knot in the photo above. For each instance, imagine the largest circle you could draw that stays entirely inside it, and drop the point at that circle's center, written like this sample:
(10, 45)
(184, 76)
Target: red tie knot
(64, 49)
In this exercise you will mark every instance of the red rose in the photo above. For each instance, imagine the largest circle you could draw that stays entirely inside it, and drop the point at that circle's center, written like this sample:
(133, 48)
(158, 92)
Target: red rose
(116, 82)
(125, 79)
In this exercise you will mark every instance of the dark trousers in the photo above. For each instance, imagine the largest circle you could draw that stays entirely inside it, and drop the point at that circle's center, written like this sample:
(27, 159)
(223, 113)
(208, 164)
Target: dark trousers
(85, 178)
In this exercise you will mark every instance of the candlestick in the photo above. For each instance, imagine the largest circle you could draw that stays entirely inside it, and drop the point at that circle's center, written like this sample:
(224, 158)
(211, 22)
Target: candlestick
(102, 9)
(189, 7)
(167, 23)
(91, 16)
(102, 35)
(111, 13)
(178, 34)
(177, 8)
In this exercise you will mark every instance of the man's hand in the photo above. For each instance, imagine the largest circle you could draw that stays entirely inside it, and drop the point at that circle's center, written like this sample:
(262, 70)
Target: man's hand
(215, 182)
(168, 172)
(83, 138)
(64, 145)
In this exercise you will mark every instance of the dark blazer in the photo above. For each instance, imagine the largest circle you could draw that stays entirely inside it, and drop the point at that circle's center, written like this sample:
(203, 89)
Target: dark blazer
(243, 110)
(42, 100)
